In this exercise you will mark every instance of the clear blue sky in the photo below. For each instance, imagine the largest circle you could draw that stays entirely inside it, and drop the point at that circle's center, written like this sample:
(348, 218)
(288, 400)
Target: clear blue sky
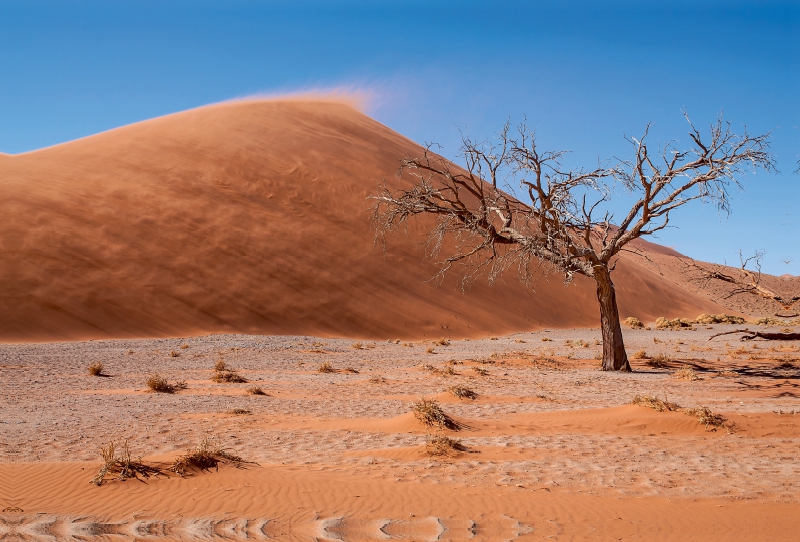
(584, 73)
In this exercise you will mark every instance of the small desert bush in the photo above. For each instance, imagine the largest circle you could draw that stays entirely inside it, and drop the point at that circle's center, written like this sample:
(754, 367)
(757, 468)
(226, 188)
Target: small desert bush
(686, 373)
(228, 375)
(655, 403)
(358, 346)
(719, 319)
(255, 390)
(159, 384)
(351, 370)
(125, 466)
(96, 369)
(240, 411)
(205, 456)
(677, 323)
(463, 392)
(709, 419)
(440, 445)
(430, 350)
(546, 339)
(633, 323)
(520, 341)
(481, 371)
(442, 342)
(431, 414)
(641, 354)
(184, 346)
(220, 365)
(377, 380)
(326, 367)
(174, 354)
(659, 361)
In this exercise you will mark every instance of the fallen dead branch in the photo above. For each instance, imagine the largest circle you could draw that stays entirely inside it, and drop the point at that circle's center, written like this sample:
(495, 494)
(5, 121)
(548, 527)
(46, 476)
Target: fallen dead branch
(767, 336)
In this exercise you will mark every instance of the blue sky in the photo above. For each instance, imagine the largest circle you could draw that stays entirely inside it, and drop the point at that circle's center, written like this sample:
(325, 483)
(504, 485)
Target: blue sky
(585, 73)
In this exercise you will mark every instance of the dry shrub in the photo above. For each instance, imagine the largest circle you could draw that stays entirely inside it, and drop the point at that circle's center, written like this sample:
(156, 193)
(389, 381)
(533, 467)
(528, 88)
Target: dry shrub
(520, 341)
(441, 445)
(326, 367)
(125, 466)
(351, 370)
(431, 414)
(358, 346)
(448, 370)
(174, 354)
(184, 346)
(677, 323)
(159, 384)
(430, 350)
(659, 361)
(255, 390)
(719, 319)
(546, 339)
(220, 366)
(727, 373)
(230, 376)
(442, 342)
(686, 373)
(239, 411)
(463, 392)
(633, 323)
(96, 369)
(710, 420)
(481, 371)
(377, 380)
(641, 354)
(205, 456)
(655, 403)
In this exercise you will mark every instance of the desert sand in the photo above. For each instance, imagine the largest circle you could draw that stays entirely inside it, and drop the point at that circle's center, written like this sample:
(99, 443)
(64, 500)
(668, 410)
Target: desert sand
(240, 232)
(555, 447)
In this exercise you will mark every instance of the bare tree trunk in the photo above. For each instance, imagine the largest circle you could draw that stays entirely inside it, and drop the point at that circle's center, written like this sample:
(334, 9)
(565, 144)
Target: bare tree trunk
(614, 356)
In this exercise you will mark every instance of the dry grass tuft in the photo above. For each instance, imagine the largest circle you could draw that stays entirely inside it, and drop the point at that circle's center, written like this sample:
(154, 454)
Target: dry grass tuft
(174, 354)
(431, 414)
(358, 346)
(710, 420)
(633, 323)
(326, 367)
(727, 373)
(718, 319)
(463, 392)
(255, 390)
(481, 371)
(205, 456)
(125, 466)
(351, 370)
(641, 354)
(442, 342)
(96, 369)
(686, 373)
(220, 366)
(546, 339)
(655, 403)
(430, 350)
(184, 346)
(377, 380)
(239, 411)
(440, 445)
(159, 384)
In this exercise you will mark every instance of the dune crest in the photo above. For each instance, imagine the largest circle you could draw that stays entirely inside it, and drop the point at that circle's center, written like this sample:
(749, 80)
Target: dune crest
(250, 216)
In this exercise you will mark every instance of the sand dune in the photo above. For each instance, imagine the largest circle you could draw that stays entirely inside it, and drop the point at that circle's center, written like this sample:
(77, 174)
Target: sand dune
(249, 217)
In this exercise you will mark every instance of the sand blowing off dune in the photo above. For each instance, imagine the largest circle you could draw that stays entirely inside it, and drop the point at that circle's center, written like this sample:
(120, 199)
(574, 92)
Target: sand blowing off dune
(250, 217)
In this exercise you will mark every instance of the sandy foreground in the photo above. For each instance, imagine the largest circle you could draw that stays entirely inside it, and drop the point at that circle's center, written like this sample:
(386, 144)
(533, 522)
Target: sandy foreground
(555, 449)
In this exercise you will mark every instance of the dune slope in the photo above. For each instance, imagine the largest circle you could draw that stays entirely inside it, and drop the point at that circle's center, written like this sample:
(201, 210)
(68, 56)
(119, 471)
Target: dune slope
(249, 217)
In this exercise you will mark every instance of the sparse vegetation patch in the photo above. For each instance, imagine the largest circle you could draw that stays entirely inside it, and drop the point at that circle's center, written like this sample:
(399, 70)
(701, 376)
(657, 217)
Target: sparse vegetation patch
(431, 414)
(660, 405)
(205, 456)
(463, 392)
(124, 467)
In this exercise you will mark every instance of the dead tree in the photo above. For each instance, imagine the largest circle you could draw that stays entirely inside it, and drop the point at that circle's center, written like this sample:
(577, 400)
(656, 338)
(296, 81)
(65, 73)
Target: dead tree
(747, 282)
(553, 226)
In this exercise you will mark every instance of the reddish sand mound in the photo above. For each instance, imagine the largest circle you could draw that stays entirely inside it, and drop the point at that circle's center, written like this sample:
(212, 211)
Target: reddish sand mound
(248, 217)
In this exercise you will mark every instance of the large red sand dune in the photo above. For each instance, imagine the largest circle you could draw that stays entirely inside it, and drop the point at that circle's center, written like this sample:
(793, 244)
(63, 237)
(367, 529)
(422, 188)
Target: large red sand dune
(249, 217)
